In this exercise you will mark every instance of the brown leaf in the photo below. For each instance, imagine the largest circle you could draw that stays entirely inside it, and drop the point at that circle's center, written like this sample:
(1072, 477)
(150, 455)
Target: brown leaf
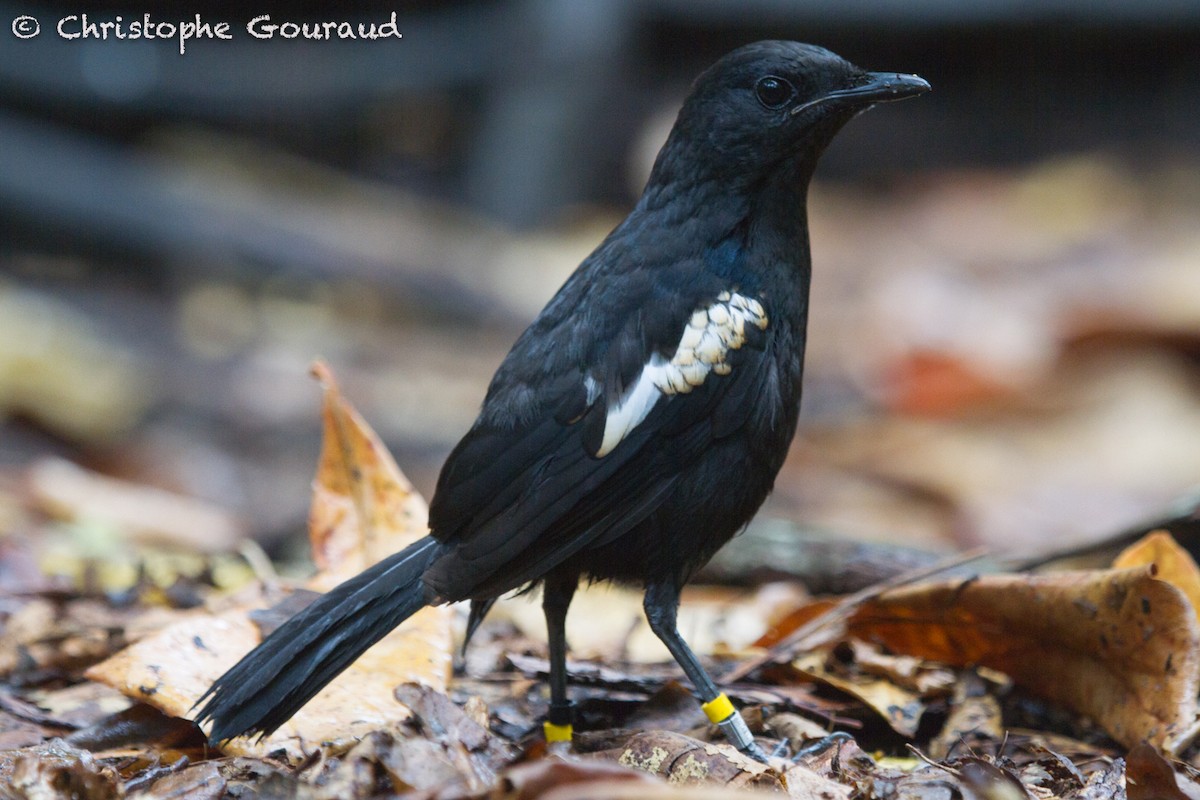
(1119, 646)
(541, 778)
(82, 705)
(819, 624)
(199, 782)
(974, 719)
(793, 728)
(1171, 563)
(900, 707)
(989, 781)
(363, 509)
(443, 721)
(139, 723)
(1148, 776)
(399, 764)
(608, 790)
(56, 769)
(42, 635)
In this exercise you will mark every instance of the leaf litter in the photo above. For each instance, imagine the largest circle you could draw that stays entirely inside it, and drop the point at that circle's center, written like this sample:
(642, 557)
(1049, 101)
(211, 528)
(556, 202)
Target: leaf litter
(918, 689)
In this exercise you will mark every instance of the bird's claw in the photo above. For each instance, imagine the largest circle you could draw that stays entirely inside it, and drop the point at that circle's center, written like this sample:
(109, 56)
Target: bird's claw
(737, 732)
(757, 753)
(822, 744)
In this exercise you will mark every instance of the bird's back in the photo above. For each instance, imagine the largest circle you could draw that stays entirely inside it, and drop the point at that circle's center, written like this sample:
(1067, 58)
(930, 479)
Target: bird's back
(579, 461)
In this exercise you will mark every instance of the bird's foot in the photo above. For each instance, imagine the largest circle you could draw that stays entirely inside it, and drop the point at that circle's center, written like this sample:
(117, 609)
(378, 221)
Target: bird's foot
(822, 744)
(752, 750)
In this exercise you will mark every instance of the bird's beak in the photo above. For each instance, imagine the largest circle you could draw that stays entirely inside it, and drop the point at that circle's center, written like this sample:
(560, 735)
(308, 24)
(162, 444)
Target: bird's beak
(878, 87)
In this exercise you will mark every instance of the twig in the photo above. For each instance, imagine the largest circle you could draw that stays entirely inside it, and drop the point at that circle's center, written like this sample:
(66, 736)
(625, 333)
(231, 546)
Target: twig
(787, 648)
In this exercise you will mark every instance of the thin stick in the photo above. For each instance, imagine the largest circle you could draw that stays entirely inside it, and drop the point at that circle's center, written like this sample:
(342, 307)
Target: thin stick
(786, 648)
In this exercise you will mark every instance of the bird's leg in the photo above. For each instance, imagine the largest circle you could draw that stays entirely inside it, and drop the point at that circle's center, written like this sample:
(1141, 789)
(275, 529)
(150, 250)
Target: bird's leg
(556, 598)
(662, 609)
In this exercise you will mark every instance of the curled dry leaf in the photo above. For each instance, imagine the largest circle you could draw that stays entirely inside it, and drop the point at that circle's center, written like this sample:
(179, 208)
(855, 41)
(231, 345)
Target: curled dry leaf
(1118, 645)
(896, 687)
(442, 721)
(397, 763)
(899, 706)
(363, 509)
(1171, 563)
(974, 720)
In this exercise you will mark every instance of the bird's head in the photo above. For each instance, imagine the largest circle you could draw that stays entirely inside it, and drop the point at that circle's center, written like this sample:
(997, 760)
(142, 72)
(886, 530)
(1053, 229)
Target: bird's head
(772, 102)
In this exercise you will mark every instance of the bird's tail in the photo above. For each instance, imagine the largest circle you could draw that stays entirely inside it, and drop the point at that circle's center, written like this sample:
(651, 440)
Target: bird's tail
(269, 685)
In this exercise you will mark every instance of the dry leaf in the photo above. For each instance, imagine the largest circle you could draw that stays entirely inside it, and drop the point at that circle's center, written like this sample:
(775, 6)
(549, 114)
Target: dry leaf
(553, 775)
(402, 764)
(442, 721)
(793, 728)
(804, 784)
(146, 514)
(900, 707)
(1171, 563)
(974, 720)
(363, 509)
(56, 769)
(622, 790)
(1119, 645)
(1149, 776)
(989, 781)
(684, 760)
(199, 782)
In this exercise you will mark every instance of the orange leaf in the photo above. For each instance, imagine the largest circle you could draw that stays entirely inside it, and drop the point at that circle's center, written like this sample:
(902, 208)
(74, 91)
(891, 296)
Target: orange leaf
(1117, 645)
(1171, 563)
(363, 508)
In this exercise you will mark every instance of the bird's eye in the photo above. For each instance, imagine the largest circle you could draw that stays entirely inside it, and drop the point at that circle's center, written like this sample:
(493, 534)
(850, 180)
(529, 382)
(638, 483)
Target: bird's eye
(773, 91)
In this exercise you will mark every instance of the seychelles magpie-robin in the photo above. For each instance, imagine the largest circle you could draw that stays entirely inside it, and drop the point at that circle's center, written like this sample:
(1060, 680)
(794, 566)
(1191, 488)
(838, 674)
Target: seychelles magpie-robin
(640, 420)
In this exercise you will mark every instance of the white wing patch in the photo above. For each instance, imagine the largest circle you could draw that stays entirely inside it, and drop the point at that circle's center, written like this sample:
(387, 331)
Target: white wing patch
(710, 335)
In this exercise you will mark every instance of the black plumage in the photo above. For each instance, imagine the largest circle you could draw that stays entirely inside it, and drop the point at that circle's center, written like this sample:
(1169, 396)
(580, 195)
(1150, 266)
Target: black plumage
(640, 421)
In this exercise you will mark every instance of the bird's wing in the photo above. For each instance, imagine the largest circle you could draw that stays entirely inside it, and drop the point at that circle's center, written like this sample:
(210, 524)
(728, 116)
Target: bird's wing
(570, 450)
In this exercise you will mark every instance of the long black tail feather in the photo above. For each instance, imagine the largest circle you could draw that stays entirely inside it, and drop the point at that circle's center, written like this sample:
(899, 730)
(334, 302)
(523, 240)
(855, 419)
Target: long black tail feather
(273, 681)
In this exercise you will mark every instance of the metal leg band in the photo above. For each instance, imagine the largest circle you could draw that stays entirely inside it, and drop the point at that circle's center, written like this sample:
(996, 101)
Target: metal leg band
(736, 731)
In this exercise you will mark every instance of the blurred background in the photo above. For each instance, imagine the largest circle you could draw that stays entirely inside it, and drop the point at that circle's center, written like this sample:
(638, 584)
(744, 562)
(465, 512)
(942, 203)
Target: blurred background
(1005, 340)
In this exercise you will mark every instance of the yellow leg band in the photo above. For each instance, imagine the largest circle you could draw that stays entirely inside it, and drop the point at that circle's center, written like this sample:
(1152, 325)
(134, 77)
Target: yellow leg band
(718, 709)
(557, 733)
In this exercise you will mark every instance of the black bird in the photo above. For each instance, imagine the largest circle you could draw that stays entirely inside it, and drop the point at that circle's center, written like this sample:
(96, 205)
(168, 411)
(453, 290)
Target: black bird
(639, 422)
